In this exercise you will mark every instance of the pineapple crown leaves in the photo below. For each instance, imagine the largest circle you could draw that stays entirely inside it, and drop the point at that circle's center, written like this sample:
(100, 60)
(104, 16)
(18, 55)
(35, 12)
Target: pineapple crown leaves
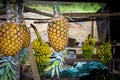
(56, 64)
(56, 8)
(23, 56)
(7, 71)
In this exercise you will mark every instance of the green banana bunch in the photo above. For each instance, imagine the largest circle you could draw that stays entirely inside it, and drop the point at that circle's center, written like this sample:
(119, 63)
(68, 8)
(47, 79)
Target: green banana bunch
(42, 52)
(104, 52)
(88, 47)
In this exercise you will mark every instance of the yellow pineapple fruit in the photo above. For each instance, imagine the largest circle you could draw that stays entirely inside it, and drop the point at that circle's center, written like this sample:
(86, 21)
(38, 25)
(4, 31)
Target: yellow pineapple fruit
(26, 36)
(58, 31)
(13, 37)
(10, 38)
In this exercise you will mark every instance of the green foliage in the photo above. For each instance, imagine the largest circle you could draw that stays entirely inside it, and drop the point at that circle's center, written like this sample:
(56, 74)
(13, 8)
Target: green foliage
(7, 70)
(81, 7)
(88, 47)
(104, 52)
(69, 7)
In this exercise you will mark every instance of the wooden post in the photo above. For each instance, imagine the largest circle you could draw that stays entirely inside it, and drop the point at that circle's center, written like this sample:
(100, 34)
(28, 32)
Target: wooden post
(33, 63)
(92, 29)
(109, 31)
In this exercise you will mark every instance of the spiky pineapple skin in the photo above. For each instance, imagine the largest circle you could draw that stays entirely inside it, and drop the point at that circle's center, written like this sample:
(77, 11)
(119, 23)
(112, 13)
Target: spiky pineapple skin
(58, 33)
(26, 36)
(12, 39)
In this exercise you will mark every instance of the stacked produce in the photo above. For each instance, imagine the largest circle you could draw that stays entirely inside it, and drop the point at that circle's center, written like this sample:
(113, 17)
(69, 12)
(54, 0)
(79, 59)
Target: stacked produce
(88, 47)
(13, 37)
(58, 31)
(42, 52)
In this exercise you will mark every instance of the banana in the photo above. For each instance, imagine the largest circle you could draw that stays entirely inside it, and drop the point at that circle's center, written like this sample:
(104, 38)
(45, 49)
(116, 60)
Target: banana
(88, 47)
(42, 52)
(104, 52)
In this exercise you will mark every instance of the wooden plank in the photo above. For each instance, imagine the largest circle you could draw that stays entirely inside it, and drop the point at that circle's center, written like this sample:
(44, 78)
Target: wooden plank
(92, 27)
(71, 61)
(73, 19)
(33, 64)
(82, 15)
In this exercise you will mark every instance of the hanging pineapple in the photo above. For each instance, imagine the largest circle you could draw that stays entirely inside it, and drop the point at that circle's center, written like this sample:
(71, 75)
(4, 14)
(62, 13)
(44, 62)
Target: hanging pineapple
(10, 38)
(58, 30)
(14, 35)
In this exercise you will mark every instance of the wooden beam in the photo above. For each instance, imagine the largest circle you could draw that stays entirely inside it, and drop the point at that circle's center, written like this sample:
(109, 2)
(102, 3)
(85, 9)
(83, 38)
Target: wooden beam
(82, 15)
(92, 27)
(99, 1)
(38, 12)
(74, 20)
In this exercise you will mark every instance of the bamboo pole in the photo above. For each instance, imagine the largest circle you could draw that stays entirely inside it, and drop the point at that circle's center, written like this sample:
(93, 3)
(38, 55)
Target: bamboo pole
(92, 29)
(33, 64)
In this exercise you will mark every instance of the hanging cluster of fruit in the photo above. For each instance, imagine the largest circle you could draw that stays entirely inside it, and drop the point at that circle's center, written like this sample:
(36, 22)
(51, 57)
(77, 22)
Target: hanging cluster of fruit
(58, 30)
(14, 38)
(88, 47)
(42, 52)
(104, 51)
(13, 35)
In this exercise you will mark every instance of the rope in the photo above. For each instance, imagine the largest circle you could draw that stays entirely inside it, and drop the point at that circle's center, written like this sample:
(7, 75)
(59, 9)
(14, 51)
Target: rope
(58, 5)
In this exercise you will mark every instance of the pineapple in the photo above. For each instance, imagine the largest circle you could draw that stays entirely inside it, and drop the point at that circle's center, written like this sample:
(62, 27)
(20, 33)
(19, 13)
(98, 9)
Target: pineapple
(12, 39)
(58, 31)
(26, 36)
